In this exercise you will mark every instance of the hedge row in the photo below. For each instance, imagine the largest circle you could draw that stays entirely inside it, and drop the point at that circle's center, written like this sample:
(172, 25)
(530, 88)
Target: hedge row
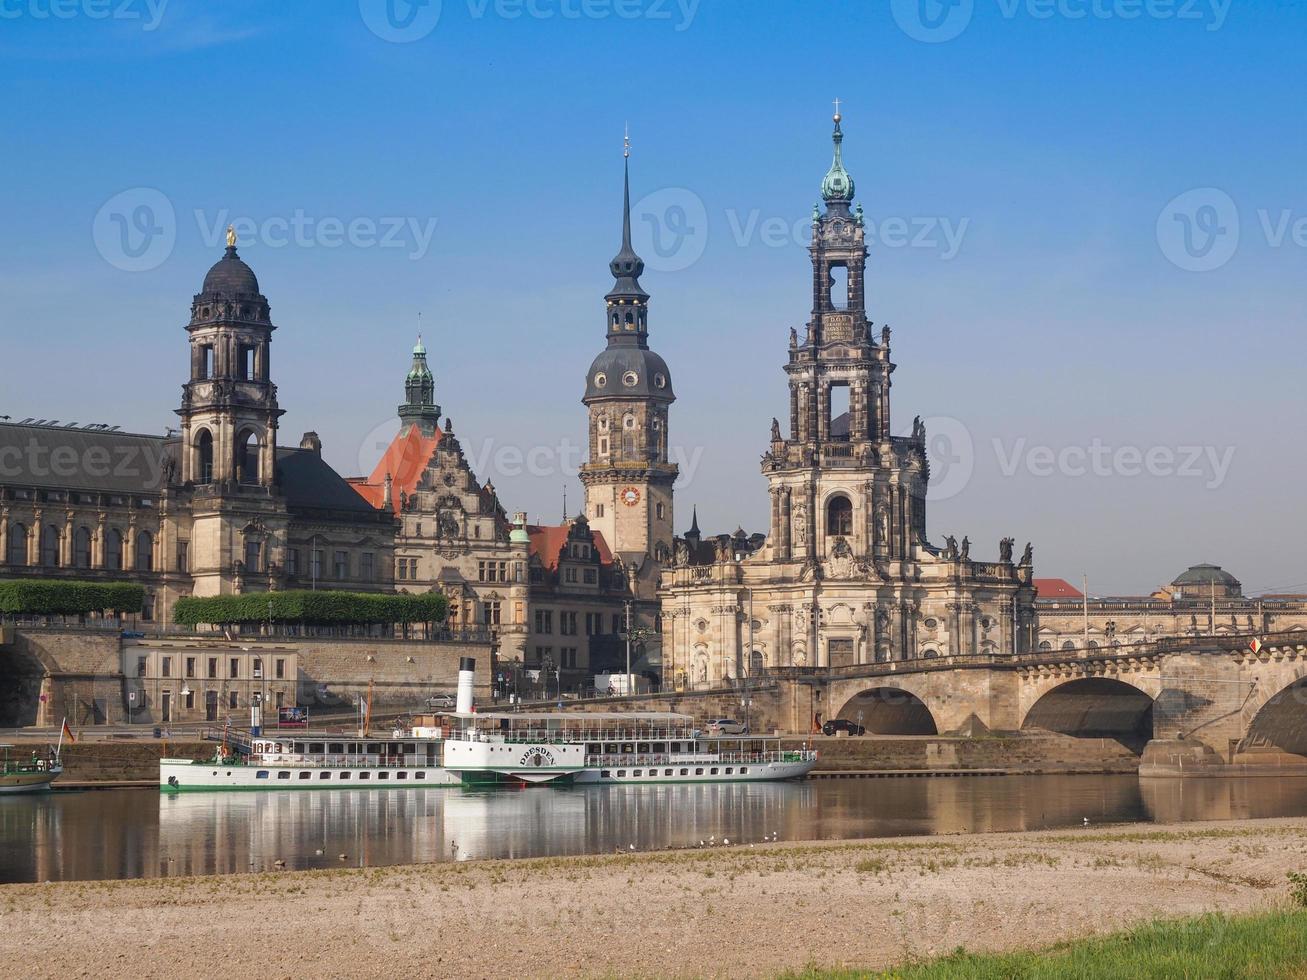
(56, 597)
(324, 608)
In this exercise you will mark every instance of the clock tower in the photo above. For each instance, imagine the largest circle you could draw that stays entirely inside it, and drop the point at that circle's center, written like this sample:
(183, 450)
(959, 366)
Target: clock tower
(628, 478)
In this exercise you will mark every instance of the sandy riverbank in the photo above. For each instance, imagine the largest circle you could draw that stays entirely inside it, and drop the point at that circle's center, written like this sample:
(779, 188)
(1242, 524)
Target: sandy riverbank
(737, 911)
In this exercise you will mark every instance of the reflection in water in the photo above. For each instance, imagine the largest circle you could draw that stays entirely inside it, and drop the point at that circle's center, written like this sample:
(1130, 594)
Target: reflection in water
(136, 833)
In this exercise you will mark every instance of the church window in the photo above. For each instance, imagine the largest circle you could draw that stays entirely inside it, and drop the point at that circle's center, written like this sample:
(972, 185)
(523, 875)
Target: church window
(661, 510)
(603, 451)
(1045, 645)
(292, 562)
(244, 362)
(17, 544)
(145, 552)
(599, 510)
(82, 547)
(839, 517)
(184, 562)
(630, 321)
(601, 380)
(417, 529)
(930, 624)
(839, 287)
(253, 554)
(603, 423)
(839, 416)
(630, 379)
(589, 576)
(50, 546)
(206, 360)
(660, 380)
(204, 456)
(247, 457)
(113, 550)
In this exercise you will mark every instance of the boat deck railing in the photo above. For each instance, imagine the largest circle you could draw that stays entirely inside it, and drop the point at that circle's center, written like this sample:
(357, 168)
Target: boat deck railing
(716, 758)
(577, 736)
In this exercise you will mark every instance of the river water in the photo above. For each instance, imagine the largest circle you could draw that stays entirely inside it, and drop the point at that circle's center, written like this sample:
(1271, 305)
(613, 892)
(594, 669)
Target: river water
(142, 833)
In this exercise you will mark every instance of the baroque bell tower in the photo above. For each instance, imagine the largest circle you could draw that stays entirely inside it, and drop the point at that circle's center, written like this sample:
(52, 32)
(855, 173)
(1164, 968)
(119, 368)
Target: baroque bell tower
(628, 477)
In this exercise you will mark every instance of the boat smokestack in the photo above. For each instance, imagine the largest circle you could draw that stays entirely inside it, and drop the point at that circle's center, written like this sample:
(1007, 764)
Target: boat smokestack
(466, 673)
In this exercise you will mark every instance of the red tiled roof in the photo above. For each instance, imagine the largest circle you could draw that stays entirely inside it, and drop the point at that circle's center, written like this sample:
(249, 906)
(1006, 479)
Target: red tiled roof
(547, 541)
(404, 459)
(1056, 588)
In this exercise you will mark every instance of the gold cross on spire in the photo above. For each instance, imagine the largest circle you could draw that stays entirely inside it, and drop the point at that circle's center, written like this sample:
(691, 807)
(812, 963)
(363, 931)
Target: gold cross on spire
(626, 142)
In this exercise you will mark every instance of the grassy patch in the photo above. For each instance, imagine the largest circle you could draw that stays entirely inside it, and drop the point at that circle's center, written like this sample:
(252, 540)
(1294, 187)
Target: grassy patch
(1271, 945)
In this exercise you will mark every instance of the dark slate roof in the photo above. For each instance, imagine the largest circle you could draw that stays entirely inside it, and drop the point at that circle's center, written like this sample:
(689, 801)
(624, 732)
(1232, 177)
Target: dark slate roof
(615, 362)
(230, 276)
(1205, 575)
(66, 458)
(309, 483)
(840, 426)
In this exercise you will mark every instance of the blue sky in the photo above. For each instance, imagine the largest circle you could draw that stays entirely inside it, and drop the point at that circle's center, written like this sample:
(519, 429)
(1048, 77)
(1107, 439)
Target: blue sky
(1055, 187)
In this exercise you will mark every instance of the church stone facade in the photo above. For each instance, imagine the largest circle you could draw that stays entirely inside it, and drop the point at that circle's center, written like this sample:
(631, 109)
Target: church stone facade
(847, 574)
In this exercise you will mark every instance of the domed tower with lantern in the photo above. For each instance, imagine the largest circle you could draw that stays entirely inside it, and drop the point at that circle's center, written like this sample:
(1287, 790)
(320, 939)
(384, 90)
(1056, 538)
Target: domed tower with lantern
(628, 477)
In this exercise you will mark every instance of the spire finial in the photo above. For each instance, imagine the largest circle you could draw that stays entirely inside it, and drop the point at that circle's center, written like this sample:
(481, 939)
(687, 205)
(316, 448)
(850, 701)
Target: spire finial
(626, 142)
(837, 187)
(626, 190)
(837, 110)
(231, 236)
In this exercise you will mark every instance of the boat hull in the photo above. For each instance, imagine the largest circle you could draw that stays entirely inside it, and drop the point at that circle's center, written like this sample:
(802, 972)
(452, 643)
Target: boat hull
(183, 776)
(25, 782)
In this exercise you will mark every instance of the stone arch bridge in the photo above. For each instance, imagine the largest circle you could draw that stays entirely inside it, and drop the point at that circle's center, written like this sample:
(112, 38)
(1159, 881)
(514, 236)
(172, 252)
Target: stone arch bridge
(1241, 696)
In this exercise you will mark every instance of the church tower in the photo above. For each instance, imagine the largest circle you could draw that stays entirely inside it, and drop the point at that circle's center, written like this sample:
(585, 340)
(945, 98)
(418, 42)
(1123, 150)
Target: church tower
(628, 478)
(229, 416)
(420, 408)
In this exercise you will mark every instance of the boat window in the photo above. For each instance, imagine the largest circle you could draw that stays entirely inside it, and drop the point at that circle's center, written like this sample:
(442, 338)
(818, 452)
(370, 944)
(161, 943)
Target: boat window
(729, 771)
(610, 749)
(660, 746)
(419, 775)
(713, 771)
(621, 773)
(744, 770)
(336, 748)
(324, 775)
(305, 775)
(410, 748)
(261, 774)
(642, 748)
(297, 747)
(283, 775)
(374, 748)
(315, 747)
(699, 771)
(628, 748)
(344, 775)
(383, 775)
(401, 775)
(638, 772)
(667, 772)
(685, 772)
(676, 746)
(605, 774)
(592, 748)
(365, 775)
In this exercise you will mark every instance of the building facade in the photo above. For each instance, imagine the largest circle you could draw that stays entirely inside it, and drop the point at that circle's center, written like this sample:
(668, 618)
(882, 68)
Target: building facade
(214, 508)
(1203, 600)
(454, 536)
(847, 574)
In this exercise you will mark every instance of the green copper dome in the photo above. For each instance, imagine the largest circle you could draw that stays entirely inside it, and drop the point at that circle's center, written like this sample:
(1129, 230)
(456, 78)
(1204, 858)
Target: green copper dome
(519, 534)
(837, 184)
(419, 371)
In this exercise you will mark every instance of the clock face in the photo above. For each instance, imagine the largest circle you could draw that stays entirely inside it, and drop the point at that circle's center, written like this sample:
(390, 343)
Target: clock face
(630, 496)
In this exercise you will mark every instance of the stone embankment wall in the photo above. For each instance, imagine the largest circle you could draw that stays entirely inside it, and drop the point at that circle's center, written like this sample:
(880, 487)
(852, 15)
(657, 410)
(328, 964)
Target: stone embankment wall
(401, 673)
(108, 762)
(1024, 752)
(50, 674)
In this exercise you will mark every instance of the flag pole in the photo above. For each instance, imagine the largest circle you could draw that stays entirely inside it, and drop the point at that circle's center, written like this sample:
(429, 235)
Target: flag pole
(60, 746)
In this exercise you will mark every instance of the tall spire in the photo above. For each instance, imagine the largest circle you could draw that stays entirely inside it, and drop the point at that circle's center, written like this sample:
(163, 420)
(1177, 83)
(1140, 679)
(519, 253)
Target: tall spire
(420, 406)
(837, 186)
(626, 266)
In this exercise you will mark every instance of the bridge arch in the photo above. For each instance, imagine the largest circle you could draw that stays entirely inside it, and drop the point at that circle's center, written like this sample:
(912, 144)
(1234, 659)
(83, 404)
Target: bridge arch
(1095, 707)
(890, 711)
(1280, 724)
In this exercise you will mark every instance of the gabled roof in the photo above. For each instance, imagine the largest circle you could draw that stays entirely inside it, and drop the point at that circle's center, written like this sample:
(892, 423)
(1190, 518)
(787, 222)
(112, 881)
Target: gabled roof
(404, 459)
(1056, 588)
(548, 541)
(309, 483)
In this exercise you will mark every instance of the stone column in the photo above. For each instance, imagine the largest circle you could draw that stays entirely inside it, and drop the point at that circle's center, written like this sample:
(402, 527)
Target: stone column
(66, 544)
(4, 535)
(34, 537)
(98, 541)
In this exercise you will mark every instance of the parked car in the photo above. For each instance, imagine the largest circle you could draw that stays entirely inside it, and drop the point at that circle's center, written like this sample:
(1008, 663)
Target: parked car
(837, 725)
(440, 702)
(727, 726)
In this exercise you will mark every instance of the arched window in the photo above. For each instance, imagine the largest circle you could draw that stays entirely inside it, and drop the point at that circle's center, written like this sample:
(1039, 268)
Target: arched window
(50, 546)
(628, 437)
(247, 457)
(204, 457)
(82, 547)
(1045, 645)
(145, 552)
(113, 549)
(17, 544)
(839, 517)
